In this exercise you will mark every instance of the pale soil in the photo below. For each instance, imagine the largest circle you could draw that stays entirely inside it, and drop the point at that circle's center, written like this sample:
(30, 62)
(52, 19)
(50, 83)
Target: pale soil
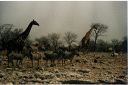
(86, 68)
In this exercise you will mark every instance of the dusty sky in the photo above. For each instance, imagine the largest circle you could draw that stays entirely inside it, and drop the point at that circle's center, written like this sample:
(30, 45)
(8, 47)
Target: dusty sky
(61, 17)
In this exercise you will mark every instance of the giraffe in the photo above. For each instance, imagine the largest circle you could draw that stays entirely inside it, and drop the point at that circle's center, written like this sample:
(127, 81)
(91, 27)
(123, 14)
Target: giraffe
(86, 39)
(18, 43)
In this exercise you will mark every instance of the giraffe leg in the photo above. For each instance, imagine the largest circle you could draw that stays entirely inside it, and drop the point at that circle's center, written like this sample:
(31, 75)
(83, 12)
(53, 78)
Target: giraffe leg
(87, 45)
(8, 58)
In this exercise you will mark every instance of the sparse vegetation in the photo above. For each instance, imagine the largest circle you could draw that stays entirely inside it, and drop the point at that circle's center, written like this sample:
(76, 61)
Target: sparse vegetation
(52, 48)
(54, 40)
(70, 38)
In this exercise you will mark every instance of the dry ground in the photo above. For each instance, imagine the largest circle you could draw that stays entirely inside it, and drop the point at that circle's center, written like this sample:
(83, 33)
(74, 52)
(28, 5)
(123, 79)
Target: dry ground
(86, 68)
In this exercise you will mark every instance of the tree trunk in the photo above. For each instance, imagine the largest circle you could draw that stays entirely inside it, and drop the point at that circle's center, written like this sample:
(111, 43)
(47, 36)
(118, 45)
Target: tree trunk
(69, 47)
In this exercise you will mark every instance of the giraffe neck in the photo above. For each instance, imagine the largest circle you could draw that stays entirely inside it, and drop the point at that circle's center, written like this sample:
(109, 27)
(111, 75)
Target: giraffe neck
(90, 30)
(25, 34)
(87, 35)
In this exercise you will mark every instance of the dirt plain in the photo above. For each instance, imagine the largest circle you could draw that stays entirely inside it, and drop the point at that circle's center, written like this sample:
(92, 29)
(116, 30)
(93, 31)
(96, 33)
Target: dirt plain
(91, 68)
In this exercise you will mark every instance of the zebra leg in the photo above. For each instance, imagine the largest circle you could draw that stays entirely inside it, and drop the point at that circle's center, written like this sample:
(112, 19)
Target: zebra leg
(46, 62)
(71, 61)
(12, 62)
(51, 62)
(62, 62)
(20, 62)
(8, 58)
(16, 62)
(32, 63)
(38, 62)
(8, 61)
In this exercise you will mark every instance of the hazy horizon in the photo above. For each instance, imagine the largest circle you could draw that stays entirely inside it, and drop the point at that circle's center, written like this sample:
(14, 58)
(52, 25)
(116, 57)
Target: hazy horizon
(61, 17)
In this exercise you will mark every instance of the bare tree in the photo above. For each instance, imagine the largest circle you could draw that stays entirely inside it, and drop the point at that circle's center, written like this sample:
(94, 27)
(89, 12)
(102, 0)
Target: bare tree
(54, 40)
(70, 38)
(116, 44)
(44, 42)
(99, 30)
(5, 31)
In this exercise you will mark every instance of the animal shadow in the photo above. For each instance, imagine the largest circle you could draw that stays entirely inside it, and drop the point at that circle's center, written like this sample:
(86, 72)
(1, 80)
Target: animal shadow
(90, 82)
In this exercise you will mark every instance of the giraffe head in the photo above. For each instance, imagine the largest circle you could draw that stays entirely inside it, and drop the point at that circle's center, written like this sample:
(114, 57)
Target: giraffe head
(95, 26)
(35, 23)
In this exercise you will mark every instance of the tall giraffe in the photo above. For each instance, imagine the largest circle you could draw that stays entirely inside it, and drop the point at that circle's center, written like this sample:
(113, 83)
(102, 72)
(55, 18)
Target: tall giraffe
(18, 43)
(85, 40)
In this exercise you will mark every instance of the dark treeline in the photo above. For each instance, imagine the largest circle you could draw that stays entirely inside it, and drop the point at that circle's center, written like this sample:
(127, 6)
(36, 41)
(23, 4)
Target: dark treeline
(9, 32)
(53, 41)
(104, 46)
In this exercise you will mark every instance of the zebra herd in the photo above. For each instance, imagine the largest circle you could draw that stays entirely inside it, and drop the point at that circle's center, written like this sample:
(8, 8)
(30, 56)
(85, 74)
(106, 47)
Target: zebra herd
(33, 54)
